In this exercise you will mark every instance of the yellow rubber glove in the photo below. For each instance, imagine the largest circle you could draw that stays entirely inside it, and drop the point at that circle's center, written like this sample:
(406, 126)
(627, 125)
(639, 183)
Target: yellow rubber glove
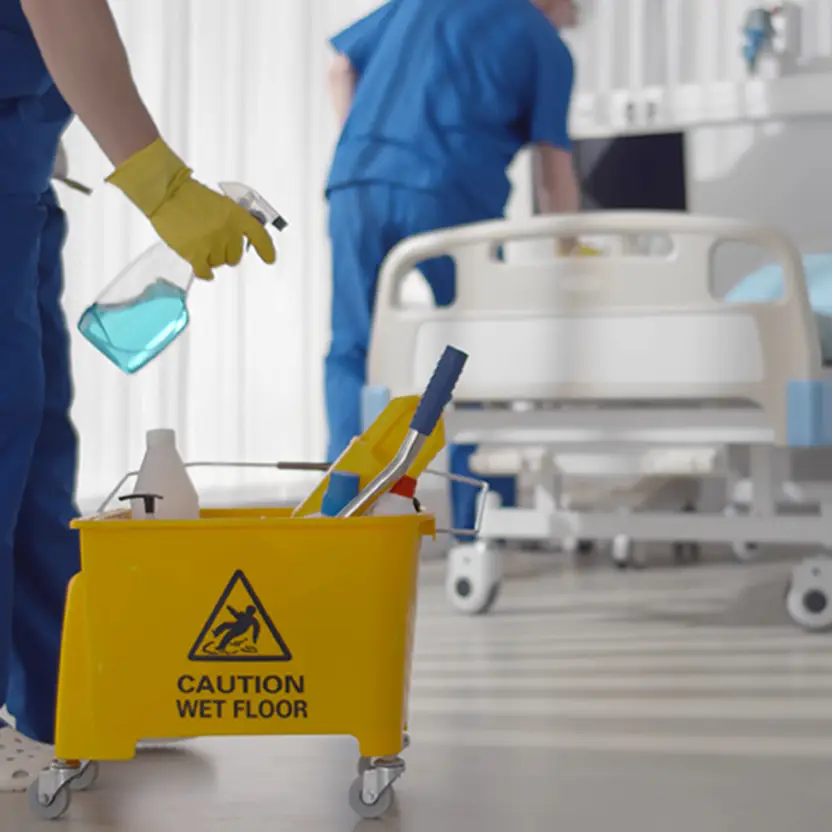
(575, 248)
(202, 226)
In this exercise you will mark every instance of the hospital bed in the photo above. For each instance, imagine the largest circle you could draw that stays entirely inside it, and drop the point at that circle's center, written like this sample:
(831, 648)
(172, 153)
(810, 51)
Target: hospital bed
(620, 354)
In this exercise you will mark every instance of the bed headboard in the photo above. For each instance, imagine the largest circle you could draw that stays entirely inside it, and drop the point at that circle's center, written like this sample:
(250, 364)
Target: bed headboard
(615, 327)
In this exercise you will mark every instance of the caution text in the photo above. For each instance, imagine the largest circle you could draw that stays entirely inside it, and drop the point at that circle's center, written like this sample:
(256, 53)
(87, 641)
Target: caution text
(241, 697)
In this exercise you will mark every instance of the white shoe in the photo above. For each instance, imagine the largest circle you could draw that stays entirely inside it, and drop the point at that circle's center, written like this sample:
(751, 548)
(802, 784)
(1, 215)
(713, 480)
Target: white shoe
(21, 760)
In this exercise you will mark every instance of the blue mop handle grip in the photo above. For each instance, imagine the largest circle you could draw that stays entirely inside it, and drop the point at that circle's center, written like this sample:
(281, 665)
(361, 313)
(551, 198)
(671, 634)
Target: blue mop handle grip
(439, 391)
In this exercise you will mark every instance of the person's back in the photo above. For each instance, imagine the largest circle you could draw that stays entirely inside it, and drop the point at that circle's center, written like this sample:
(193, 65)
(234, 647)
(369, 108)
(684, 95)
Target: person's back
(447, 94)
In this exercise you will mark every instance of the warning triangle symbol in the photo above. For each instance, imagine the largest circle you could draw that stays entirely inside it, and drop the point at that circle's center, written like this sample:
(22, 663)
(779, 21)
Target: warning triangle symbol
(239, 629)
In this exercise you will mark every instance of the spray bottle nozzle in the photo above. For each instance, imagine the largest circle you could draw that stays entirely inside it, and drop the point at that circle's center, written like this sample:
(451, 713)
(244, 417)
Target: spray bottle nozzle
(148, 499)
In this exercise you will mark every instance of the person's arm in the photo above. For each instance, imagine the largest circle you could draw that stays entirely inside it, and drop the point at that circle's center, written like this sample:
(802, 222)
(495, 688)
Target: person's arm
(342, 80)
(84, 54)
(556, 185)
(354, 46)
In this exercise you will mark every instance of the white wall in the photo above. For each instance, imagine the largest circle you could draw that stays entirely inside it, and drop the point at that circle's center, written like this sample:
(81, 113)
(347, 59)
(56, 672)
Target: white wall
(776, 173)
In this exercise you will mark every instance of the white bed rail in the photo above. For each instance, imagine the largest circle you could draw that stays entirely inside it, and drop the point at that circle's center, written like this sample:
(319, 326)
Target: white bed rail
(614, 328)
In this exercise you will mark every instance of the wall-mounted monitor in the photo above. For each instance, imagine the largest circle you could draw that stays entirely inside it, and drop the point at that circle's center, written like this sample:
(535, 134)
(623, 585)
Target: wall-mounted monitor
(646, 172)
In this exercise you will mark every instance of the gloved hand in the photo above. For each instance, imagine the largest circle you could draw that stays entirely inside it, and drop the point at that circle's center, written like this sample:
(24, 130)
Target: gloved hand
(203, 227)
(575, 248)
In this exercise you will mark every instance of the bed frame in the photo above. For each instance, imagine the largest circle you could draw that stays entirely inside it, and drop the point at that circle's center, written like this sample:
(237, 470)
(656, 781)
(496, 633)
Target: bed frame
(608, 352)
(624, 330)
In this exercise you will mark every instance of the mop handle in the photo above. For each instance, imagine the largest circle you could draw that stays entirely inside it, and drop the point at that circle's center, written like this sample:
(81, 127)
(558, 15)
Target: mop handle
(439, 391)
(437, 395)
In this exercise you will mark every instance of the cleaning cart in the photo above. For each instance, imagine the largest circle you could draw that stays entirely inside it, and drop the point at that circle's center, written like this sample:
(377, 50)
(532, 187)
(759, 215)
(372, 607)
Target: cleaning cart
(252, 621)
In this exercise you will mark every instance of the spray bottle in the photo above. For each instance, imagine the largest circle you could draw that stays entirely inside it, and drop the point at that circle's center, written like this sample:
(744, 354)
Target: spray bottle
(400, 499)
(145, 309)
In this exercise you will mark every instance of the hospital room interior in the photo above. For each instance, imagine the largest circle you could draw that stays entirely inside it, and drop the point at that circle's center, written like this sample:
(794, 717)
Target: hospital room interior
(569, 566)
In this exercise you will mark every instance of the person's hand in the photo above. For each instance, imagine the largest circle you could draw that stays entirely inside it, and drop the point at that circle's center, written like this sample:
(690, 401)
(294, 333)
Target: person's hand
(575, 248)
(202, 226)
(581, 250)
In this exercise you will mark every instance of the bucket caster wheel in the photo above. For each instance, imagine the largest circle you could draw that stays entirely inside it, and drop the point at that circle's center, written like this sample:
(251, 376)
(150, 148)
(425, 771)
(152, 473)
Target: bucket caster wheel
(371, 793)
(46, 809)
(86, 779)
(809, 595)
(474, 576)
(369, 811)
(50, 795)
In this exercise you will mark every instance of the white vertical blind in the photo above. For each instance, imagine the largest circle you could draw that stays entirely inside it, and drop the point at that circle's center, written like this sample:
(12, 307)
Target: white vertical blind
(239, 91)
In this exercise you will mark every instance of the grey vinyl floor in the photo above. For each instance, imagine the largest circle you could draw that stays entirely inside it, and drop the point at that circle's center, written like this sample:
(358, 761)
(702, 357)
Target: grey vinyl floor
(670, 699)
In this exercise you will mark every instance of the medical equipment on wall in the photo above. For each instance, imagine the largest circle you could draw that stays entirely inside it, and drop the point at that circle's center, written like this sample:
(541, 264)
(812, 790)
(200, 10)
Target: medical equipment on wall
(145, 308)
(759, 35)
(772, 35)
(624, 353)
(249, 587)
(163, 473)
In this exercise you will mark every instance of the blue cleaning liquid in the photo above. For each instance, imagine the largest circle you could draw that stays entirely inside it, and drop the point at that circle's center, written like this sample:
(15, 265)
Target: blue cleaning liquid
(134, 332)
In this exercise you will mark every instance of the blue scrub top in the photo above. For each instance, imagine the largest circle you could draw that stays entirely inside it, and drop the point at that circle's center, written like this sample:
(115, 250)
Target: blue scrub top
(448, 92)
(22, 70)
(33, 114)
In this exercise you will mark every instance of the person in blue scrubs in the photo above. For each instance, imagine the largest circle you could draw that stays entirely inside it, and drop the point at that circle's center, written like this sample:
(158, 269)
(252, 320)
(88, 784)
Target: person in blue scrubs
(53, 55)
(436, 99)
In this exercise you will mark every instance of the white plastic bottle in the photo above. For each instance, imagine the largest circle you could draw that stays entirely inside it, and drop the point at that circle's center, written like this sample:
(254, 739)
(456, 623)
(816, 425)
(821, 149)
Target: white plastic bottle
(163, 472)
(400, 499)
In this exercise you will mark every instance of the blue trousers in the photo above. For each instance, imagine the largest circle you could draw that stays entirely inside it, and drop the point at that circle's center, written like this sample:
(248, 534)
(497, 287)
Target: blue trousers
(38, 551)
(365, 223)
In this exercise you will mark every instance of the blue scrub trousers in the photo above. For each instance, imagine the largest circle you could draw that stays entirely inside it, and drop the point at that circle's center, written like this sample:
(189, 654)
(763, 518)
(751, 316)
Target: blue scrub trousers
(365, 222)
(39, 553)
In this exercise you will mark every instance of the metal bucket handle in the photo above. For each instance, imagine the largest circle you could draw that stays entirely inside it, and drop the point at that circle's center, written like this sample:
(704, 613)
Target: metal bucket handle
(481, 485)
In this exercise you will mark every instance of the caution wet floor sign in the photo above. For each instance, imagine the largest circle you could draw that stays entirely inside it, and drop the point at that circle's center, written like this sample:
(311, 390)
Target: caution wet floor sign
(245, 622)
(240, 629)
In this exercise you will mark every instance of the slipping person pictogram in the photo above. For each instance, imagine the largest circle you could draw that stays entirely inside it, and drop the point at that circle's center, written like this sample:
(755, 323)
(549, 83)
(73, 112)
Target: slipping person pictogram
(239, 629)
(235, 630)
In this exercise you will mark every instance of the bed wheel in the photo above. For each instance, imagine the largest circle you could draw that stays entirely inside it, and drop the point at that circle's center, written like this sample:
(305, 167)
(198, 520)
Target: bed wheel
(624, 553)
(809, 595)
(744, 551)
(575, 546)
(684, 553)
(475, 573)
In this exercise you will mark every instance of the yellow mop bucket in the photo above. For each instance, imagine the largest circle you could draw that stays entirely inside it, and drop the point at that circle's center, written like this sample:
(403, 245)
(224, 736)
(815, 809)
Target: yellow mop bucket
(249, 622)
(244, 622)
